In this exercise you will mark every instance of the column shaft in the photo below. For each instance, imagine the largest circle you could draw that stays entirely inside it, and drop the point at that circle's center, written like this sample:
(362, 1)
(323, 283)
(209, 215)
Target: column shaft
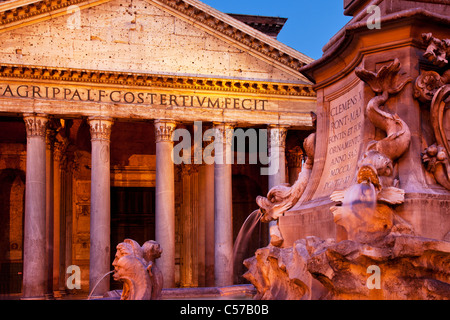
(223, 206)
(50, 137)
(34, 268)
(165, 200)
(100, 221)
(59, 229)
(277, 142)
(209, 224)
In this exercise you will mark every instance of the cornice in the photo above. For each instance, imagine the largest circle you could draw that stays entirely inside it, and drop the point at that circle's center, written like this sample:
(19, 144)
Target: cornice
(15, 11)
(114, 78)
(24, 10)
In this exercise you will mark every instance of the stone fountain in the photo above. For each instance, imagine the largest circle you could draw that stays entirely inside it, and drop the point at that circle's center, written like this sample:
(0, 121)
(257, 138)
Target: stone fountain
(368, 218)
(135, 267)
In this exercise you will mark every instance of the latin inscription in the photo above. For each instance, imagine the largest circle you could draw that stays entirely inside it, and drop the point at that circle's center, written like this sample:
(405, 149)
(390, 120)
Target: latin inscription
(131, 97)
(346, 116)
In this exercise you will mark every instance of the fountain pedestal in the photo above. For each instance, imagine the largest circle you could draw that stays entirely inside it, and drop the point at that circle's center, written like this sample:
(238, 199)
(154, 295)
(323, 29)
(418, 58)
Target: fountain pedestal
(372, 220)
(344, 131)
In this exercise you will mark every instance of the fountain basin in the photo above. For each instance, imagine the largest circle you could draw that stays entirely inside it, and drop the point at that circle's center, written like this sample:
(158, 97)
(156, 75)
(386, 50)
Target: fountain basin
(234, 292)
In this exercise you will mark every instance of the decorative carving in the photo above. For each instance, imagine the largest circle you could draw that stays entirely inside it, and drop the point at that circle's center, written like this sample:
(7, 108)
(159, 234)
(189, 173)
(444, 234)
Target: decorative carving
(438, 51)
(428, 83)
(135, 267)
(367, 211)
(282, 198)
(387, 82)
(277, 137)
(164, 130)
(100, 128)
(435, 88)
(36, 125)
(223, 133)
(436, 157)
(147, 80)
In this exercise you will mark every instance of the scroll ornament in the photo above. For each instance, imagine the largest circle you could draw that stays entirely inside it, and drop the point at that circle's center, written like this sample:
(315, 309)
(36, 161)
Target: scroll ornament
(433, 88)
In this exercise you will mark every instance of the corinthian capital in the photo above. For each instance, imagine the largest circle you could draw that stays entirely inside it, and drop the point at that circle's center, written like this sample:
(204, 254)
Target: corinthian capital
(164, 130)
(36, 124)
(277, 136)
(100, 128)
(224, 132)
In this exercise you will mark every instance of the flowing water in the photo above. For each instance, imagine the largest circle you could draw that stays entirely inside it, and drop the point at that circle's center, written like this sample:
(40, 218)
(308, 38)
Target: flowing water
(99, 282)
(243, 237)
(361, 199)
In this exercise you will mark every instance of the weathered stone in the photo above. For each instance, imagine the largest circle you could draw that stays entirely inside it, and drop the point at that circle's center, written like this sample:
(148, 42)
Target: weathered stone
(135, 267)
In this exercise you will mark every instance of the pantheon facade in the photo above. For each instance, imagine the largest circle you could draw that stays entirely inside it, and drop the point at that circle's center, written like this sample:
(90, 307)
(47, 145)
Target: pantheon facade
(91, 93)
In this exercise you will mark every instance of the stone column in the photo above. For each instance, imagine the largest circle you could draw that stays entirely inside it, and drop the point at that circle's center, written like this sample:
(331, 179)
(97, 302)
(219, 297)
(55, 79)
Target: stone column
(277, 145)
(209, 224)
(58, 243)
(69, 166)
(34, 271)
(206, 212)
(49, 165)
(190, 233)
(100, 222)
(165, 200)
(223, 205)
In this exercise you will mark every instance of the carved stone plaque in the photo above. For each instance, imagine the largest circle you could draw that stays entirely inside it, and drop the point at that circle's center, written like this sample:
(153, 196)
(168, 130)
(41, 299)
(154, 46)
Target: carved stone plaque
(346, 119)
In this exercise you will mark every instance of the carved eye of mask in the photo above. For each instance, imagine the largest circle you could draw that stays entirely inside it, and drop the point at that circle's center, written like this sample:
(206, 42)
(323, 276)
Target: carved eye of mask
(388, 169)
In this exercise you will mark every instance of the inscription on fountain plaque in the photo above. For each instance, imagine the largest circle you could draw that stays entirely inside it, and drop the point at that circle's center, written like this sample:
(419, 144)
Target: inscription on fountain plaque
(346, 116)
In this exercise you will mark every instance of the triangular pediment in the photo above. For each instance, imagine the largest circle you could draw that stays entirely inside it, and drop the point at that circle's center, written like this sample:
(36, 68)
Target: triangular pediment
(168, 37)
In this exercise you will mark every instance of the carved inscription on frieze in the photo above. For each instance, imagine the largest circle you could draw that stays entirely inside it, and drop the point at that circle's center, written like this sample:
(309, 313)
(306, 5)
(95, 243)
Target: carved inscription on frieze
(346, 118)
(133, 97)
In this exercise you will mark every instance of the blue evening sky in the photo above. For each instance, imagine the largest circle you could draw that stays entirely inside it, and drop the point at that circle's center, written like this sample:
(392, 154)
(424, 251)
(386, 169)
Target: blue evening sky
(311, 23)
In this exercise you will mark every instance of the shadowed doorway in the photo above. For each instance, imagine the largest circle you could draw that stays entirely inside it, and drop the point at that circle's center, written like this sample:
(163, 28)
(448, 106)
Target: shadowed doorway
(132, 216)
(12, 203)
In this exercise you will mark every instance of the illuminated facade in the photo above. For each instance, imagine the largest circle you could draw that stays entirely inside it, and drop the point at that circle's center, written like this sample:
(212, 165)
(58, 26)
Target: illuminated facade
(90, 95)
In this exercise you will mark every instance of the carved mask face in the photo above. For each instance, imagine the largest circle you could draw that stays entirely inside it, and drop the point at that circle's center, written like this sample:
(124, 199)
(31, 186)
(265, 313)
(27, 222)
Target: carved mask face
(122, 250)
(116, 265)
(376, 168)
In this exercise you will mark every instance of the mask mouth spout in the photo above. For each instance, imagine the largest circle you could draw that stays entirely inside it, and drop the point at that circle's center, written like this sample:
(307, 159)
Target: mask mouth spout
(368, 174)
(265, 217)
